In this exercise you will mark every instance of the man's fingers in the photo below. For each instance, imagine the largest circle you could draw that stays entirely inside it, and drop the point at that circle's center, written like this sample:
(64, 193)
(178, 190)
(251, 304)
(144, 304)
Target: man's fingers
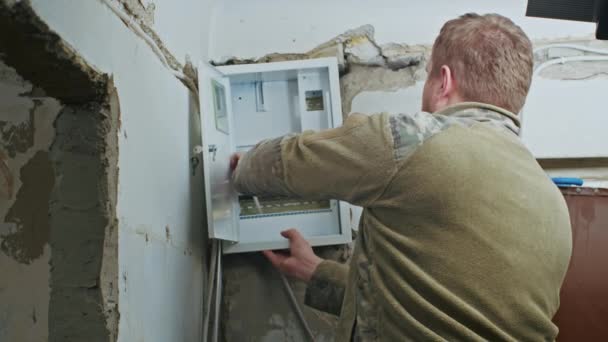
(292, 234)
(276, 259)
(234, 161)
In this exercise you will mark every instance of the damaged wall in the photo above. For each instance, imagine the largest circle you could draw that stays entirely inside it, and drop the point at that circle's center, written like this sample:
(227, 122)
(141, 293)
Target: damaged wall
(26, 181)
(144, 274)
(66, 203)
(160, 224)
(275, 27)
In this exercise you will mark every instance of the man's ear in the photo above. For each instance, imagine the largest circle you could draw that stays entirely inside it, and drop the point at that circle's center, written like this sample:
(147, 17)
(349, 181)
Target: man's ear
(447, 81)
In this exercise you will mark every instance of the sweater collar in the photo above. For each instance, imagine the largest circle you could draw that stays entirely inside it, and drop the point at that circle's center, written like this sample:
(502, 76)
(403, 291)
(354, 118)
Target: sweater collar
(483, 112)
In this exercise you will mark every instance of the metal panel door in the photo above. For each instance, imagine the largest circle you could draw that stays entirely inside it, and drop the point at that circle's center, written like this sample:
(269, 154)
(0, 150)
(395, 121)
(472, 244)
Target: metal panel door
(216, 122)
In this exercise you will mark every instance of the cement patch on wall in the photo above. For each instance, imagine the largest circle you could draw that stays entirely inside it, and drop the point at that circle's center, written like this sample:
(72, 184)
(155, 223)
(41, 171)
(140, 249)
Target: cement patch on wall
(26, 181)
(29, 213)
(80, 219)
(62, 200)
(256, 306)
(24, 298)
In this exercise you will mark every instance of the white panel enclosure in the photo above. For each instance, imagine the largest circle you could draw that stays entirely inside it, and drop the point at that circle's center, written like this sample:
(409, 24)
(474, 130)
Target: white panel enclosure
(266, 101)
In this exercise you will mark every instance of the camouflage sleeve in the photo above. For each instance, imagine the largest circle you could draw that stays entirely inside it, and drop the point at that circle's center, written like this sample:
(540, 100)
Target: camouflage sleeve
(409, 131)
(325, 291)
(351, 163)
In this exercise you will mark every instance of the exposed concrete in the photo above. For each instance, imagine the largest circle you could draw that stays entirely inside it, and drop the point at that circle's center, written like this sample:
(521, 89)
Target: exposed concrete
(26, 126)
(66, 194)
(38, 54)
(108, 278)
(353, 47)
(256, 306)
(399, 56)
(29, 213)
(24, 228)
(81, 220)
(24, 298)
(362, 78)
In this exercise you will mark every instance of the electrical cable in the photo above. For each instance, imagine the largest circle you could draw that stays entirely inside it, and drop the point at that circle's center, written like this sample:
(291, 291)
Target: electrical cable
(218, 293)
(297, 307)
(564, 60)
(136, 28)
(573, 47)
(210, 289)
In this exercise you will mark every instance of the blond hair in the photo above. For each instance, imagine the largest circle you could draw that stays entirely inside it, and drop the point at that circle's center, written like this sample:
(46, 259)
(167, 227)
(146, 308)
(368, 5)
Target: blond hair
(491, 59)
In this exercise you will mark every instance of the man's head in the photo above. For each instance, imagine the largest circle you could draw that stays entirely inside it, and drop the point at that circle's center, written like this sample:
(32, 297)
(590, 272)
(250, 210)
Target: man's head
(481, 58)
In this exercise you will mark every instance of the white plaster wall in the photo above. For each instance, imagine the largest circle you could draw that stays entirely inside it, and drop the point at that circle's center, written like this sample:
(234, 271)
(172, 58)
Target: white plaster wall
(161, 266)
(184, 26)
(254, 28)
(566, 119)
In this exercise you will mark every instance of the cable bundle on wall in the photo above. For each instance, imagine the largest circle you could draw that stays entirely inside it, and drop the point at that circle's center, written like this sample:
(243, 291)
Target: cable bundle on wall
(214, 292)
(563, 60)
(137, 29)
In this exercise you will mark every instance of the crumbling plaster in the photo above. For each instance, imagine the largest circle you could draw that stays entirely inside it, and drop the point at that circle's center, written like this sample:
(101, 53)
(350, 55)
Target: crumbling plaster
(140, 9)
(254, 28)
(365, 66)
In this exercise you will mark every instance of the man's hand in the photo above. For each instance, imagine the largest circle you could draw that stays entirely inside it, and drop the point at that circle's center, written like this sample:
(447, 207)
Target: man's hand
(234, 161)
(301, 262)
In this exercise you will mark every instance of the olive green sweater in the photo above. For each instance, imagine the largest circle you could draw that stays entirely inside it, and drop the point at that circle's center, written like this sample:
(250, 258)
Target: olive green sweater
(463, 236)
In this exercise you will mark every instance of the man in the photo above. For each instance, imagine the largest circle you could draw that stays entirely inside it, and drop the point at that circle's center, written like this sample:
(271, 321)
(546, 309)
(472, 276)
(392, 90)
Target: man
(463, 236)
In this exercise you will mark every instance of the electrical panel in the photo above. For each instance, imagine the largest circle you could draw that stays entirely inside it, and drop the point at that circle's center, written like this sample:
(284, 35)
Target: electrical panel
(244, 104)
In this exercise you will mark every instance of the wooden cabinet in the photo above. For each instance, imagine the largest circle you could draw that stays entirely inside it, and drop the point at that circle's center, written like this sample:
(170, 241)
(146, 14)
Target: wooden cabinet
(583, 313)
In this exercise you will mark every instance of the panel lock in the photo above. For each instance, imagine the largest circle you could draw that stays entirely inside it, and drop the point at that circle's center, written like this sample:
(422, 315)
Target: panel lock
(213, 151)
